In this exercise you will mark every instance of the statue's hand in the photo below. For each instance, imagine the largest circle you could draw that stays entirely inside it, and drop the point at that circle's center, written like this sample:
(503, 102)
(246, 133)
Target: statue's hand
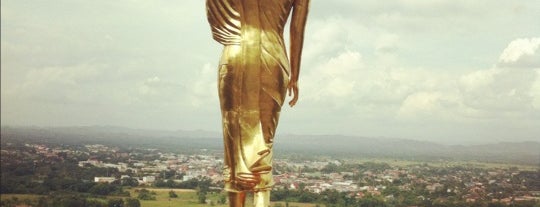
(293, 91)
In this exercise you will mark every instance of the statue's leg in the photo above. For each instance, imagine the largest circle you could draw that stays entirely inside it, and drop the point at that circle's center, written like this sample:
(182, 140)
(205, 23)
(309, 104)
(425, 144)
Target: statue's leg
(237, 199)
(261, 198)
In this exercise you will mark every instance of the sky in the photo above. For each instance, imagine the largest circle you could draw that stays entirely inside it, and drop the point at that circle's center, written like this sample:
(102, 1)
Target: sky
(448, 71)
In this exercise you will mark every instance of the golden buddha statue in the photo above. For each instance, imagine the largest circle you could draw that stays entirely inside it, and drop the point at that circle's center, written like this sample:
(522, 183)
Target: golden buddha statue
(254, 76)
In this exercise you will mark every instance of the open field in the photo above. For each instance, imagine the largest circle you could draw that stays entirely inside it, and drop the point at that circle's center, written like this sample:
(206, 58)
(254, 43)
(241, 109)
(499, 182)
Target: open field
(19, 196)
(443, 163)
(186, 198)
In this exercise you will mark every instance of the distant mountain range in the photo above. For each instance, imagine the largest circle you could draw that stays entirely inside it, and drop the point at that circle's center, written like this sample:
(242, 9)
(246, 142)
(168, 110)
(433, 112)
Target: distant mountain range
(332, 145)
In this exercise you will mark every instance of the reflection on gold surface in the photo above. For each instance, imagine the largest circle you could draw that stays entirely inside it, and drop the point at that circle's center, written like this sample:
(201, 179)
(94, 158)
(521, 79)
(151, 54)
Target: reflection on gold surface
(254, 76)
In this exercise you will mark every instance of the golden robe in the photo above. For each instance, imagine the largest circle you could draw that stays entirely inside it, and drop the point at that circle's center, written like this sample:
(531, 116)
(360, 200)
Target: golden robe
(253, 76)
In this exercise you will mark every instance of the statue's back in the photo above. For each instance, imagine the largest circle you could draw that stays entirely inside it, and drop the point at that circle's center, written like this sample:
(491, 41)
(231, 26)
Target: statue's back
(254, 74)
(228, 18)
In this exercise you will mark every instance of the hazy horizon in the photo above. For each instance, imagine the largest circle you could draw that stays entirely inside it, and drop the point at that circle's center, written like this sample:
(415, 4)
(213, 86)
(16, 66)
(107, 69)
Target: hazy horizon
(441, 71)
(285, 135)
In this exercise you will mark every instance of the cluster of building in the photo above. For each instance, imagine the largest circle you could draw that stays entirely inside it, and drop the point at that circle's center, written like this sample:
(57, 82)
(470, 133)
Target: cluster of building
(469, 184)
(505, 185)
(315, 182)
(141, 180)
(188, 166)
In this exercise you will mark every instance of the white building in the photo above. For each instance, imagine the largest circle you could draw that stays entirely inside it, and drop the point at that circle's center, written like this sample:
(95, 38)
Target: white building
(104, 179)
(149, 179)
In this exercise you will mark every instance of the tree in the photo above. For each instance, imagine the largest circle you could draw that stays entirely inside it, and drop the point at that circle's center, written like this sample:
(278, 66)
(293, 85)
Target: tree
(222, 199)
(201, 196)
(204, 184)
(146, 195)
(306, 197)
(42, 202)
(132, 202)
(115, 202)
(190, 184)
(69, 201)
(102, 189)
(93, 203)
(130, 182)
(172, 194)
(161, 184)
(329, 168)
(170, 174)
(202, 189)
(371, 201)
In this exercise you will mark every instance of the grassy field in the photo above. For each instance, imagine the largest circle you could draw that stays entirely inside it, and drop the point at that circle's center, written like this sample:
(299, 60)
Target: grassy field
(442, 163)
(186, 198)
(20, 196)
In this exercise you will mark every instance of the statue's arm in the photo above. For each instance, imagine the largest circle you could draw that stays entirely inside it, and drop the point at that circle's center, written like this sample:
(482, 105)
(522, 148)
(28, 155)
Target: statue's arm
(298, 24)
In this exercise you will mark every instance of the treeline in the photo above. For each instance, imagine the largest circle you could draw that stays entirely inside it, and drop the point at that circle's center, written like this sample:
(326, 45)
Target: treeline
(61, 182)
(42, 179)
(333, 198)
(202, 183)
(328, 198)
(71, 200)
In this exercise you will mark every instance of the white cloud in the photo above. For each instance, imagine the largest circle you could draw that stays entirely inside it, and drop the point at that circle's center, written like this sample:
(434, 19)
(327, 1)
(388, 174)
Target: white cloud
(334, 81)
(519, 48)
(371, 90)
(504, 91)
(521, 53)
(422, 105)
(326, 37)
(56, 84)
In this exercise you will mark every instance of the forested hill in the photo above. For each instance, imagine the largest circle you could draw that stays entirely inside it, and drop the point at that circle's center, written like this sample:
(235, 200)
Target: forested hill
(332, 145)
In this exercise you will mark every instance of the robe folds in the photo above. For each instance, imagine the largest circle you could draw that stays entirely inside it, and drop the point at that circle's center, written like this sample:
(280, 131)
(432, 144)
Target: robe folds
(252, 82)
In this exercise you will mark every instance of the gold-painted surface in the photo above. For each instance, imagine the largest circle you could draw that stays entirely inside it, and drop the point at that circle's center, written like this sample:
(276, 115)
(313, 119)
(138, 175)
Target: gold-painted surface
(254, 76)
